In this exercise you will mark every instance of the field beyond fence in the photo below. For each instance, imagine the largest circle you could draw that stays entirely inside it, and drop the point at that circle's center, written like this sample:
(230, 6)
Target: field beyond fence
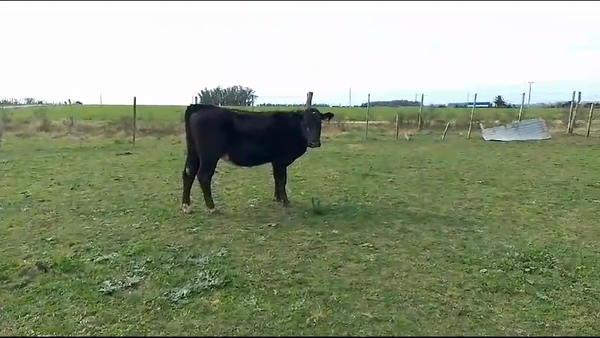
(117, 120)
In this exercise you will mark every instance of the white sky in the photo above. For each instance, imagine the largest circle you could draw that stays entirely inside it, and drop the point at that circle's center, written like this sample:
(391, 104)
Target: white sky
(165, 52)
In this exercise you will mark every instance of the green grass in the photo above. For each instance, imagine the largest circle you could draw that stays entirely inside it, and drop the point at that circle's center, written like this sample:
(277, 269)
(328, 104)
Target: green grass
(457, 237)
(174, 113)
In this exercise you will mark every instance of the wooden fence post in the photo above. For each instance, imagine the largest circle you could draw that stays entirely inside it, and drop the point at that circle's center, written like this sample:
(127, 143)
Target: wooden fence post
(445, 131)
(571, 113)
(589, 121)
(521, 109)
(397, 125)
(367, 116)
(1, 122)
(134, 119)
(574, 116)
(309, 97)
(420, 117)
(471, 117)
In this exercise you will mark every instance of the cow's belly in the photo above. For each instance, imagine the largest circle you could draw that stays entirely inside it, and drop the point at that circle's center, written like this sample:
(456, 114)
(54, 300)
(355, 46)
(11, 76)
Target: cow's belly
(249, 155)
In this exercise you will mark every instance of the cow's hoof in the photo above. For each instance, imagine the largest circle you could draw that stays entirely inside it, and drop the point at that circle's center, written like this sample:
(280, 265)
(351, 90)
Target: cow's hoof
(186, 208)
(213, 211)
(285, 203)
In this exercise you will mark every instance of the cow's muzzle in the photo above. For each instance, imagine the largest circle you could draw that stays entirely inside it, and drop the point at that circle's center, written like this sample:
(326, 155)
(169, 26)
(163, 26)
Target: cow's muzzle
(315, 144)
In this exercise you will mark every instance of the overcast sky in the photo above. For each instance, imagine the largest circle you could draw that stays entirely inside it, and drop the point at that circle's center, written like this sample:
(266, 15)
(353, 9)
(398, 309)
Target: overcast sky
(166, 52)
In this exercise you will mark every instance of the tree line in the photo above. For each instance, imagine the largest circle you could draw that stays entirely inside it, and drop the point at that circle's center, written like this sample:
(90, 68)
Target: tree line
(30, 101)
(21, 102)
(393, 103)
(499, 102)
(245, 96)
(324, 105)
(238, 96)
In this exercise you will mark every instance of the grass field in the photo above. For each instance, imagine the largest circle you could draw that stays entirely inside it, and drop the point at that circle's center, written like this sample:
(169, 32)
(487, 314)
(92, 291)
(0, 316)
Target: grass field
(424, 237)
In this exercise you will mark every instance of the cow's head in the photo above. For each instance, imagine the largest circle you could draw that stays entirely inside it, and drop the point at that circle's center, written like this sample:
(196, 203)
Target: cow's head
(311, 126)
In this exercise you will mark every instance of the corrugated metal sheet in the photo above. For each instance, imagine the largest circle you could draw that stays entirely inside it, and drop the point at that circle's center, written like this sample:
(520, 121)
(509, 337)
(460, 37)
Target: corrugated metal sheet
(527, 130)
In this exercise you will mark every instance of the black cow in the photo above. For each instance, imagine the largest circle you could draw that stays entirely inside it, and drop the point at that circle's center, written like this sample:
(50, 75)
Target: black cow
(245, 139)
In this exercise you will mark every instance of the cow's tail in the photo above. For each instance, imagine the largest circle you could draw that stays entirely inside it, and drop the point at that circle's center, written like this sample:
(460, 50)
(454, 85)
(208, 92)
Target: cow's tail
(189, 137)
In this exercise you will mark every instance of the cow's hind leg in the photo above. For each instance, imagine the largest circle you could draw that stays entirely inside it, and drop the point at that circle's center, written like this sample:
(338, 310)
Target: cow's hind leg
(205, 174)
(192, 165)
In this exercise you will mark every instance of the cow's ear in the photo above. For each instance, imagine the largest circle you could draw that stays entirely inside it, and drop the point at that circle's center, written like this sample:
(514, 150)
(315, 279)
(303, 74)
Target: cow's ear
(328, 116)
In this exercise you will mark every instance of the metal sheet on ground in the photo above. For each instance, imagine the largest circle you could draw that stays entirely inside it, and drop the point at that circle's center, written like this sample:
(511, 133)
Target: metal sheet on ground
(527, 130)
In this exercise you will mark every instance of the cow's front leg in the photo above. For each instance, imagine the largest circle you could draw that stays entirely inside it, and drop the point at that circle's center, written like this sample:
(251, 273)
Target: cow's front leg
(280, 177)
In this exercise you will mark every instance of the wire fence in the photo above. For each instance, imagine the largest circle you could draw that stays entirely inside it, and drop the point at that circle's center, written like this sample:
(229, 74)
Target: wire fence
(569, 112)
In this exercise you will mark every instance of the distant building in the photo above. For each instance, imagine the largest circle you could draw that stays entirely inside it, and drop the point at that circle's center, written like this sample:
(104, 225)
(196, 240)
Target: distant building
(470, 105)
(480, 105)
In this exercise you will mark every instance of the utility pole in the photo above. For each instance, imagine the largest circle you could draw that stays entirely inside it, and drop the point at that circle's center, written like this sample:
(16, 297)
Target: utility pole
(529, 98)
(350, 97)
